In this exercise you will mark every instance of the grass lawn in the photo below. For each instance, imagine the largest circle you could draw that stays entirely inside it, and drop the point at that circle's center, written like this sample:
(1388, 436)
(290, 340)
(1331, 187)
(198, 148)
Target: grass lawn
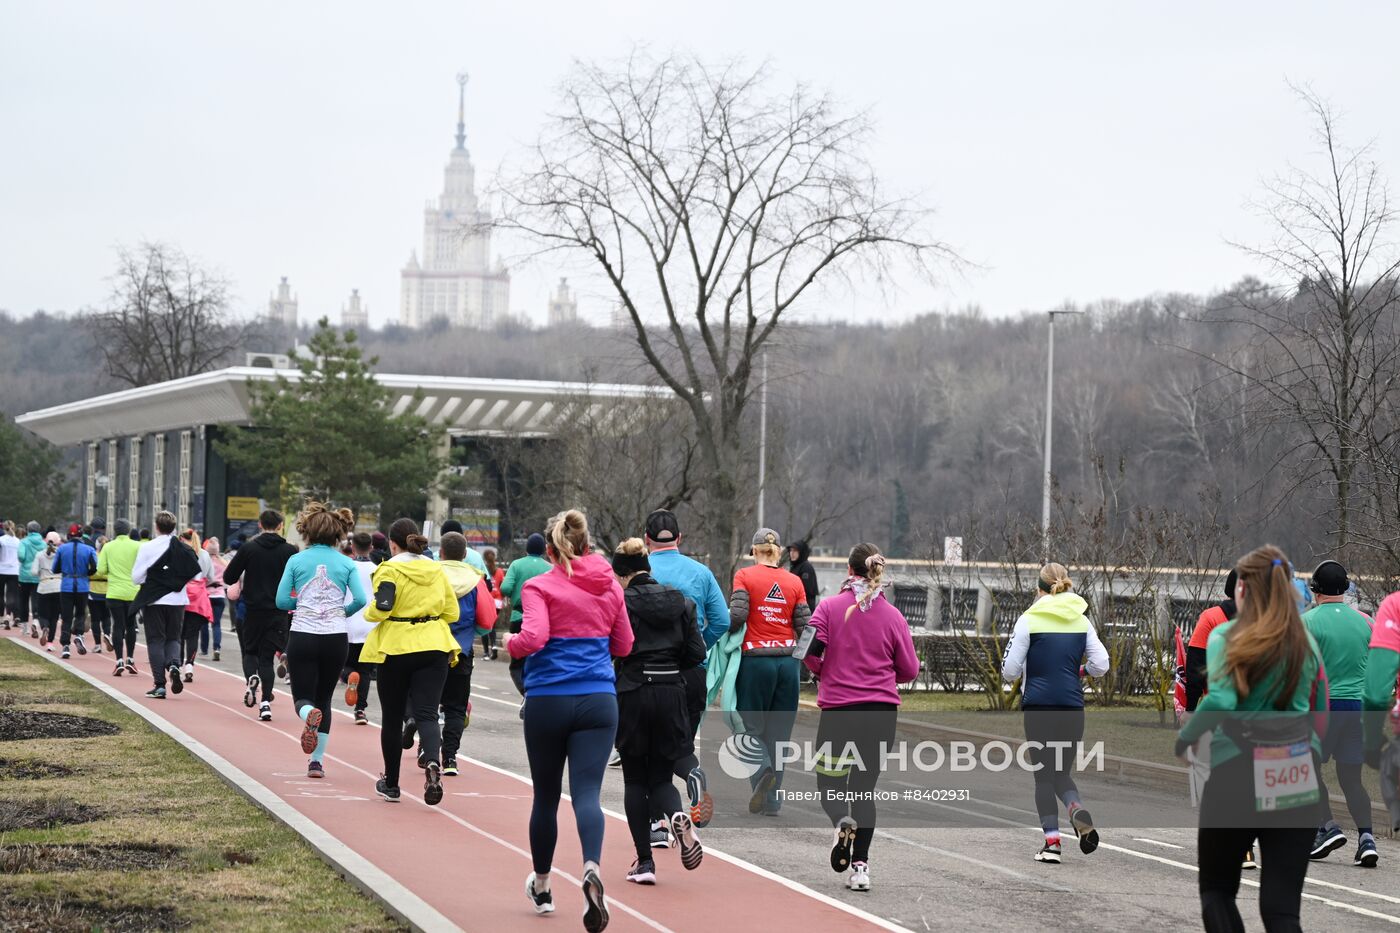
(128, 831)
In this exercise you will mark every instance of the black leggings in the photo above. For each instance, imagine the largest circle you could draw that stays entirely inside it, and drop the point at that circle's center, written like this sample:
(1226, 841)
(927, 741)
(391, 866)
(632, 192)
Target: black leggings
(867, 729)
(1358, 798)
(647, 790)
(410, 683)
(1054, 779)
(25, 608)
(264, 633)
(189, 634)
(1285, 839)
(101, 619)
(352, 663)
(49, 613)
(456, 695)
(124, 621)
(9, 594)
(314, 663)
(72, 609)
(576, 731)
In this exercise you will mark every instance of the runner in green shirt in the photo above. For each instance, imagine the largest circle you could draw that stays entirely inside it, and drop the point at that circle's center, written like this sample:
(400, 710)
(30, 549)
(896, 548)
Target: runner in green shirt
(1344, 637)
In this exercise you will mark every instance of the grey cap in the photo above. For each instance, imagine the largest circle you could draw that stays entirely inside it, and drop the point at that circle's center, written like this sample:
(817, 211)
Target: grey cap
(766, 536)
(34, 527)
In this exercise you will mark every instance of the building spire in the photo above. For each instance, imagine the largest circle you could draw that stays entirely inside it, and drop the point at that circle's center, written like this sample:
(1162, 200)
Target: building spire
(461, 109)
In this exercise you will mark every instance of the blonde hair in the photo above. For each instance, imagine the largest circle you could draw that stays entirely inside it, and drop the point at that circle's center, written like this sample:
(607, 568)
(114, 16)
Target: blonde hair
(867, 562)
(769, 550)
(320, 525)
(632, 547)
(567, 534)
(1055, 579)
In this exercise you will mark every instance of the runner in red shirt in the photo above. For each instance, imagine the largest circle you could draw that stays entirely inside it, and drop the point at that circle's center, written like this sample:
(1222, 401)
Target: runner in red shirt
(771, 605)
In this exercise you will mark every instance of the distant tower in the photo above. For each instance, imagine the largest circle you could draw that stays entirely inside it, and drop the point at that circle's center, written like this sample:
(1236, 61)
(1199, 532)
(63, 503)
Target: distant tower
(282, 307)
(563, 307)
(455, 280)
(621, 320)
(354, 316)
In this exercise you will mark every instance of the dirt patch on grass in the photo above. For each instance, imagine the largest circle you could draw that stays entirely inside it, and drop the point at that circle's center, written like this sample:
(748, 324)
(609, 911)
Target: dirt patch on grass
(44, 813)
(31, 770)
(20, 724)
(126, 856)
(19, 915)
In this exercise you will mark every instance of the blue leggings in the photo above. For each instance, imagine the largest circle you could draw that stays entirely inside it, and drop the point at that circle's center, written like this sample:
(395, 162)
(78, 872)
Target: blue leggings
(578, 730)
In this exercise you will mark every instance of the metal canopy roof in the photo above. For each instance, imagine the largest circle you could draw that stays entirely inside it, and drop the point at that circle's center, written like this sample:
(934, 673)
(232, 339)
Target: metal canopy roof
(466, 406)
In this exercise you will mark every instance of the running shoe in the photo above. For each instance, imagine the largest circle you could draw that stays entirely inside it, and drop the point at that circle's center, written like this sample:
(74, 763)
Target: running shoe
(33, 629)
(189, 673)
(250, 696)
(156, 693)
(1249, 863)
(382, 788)
(80, 644)
(432, 784)
(1083, 824)
(410, 731)
(65, 655)
(176, 685)
(1050, 853)
(860, 877)
(97, 649)
(684, 831)
(120, 668)
(614, 760)
(843, 845)
(1329, 839)
(702, 805)
(130, 666)
(449, 767)
(642, 872)
(309, 736)
(766, 781)
(360, 718)
(352, 689)
(660, 835)
(216, 654)
(281, 666)
(1366, 854)
(314, 769)
(107, 643)
(595, 915)
(265, 711)
(543, 900)
(422, 758)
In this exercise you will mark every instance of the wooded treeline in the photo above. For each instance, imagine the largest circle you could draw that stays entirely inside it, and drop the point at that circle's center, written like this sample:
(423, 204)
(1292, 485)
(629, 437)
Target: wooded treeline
(903, 433)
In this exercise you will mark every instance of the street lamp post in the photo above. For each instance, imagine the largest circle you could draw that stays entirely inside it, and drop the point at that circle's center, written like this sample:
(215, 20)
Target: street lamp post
(1049, 421)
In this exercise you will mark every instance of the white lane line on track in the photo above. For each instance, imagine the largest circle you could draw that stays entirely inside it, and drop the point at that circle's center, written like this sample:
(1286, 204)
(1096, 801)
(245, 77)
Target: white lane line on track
(613, 902)
(958, 856)
(764, 873)
(1158, 842)
(1342, 905)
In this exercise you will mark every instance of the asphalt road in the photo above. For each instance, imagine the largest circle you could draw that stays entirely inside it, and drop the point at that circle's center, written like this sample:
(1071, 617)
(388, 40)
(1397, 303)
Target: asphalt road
(968, 864)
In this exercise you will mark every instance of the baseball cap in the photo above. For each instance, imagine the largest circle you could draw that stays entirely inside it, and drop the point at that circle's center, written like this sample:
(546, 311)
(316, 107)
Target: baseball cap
(1329, 579)
(662, 526)
(75, 530)
(766, 536)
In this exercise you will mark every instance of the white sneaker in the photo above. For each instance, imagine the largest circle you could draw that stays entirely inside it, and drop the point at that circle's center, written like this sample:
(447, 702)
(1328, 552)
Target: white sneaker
(265, 711)
(188, 671)
(860, 877)
(661, 834)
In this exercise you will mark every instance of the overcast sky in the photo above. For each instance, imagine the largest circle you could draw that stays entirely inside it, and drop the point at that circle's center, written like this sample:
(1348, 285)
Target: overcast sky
(1073, 150)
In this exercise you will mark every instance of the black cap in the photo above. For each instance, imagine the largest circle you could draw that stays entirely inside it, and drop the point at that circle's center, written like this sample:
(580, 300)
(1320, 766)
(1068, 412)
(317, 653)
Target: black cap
(1329, 579)
(450, 526)
(662, 527)
(1230, 580)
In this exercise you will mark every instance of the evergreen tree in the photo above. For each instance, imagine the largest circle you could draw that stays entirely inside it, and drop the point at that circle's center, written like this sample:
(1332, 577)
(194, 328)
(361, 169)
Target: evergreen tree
(33, 482)
(329, 434)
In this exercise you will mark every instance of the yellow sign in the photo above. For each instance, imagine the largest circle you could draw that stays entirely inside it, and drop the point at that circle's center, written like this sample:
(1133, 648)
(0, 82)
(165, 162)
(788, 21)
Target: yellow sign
(243, 508)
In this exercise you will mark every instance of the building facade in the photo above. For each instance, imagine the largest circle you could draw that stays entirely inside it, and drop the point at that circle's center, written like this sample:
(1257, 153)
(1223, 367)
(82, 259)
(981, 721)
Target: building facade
(354, 315)
(563, 305)
(282, 305)
(455, 279)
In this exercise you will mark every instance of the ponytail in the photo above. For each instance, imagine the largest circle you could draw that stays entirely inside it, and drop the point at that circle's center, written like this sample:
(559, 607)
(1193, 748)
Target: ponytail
(868, 563)
(1054, 579)
(404, 533)
(567, 533)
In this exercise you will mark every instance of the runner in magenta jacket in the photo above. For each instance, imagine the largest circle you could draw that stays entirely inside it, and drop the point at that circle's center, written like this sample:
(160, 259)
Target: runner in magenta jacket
(861, 652)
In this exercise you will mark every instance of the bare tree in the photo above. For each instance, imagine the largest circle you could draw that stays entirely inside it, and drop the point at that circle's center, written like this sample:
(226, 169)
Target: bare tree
(168, 317)
(710, 207)
(1324, 355)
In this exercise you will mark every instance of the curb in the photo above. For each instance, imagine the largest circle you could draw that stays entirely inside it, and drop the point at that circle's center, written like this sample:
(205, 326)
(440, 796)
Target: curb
(399, 901)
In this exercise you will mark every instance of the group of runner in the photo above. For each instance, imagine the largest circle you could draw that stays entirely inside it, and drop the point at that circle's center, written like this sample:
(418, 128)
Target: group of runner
(619, 656)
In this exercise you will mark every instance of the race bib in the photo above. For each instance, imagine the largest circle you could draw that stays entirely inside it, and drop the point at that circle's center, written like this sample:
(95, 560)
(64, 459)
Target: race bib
(1284, 777)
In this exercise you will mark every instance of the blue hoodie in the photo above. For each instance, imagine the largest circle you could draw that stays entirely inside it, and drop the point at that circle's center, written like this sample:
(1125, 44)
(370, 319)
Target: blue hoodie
(29, 549)
(672, 568)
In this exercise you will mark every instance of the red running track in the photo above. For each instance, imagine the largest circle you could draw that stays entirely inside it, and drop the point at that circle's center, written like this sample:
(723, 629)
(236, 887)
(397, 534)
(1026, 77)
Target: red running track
(468, 857)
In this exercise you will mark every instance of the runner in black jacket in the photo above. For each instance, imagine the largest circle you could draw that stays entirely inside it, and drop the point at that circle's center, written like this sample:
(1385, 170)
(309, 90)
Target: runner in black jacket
(802, 568)
(653, 725)
(260, 563)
